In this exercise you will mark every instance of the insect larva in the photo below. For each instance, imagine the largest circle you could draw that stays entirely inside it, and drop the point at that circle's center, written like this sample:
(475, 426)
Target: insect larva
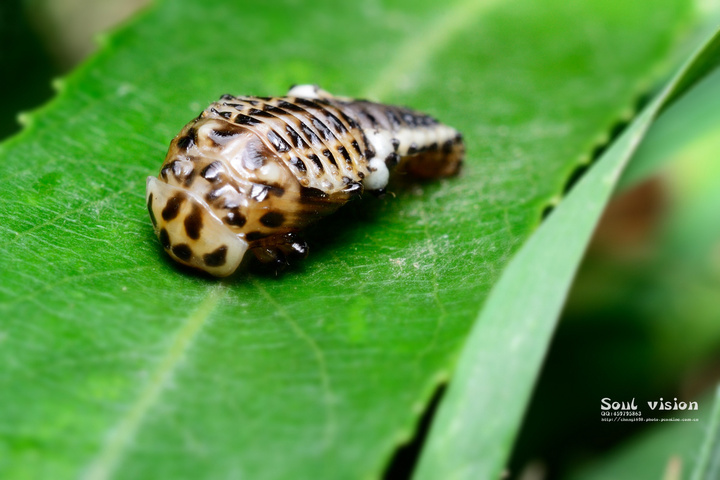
(250, 172)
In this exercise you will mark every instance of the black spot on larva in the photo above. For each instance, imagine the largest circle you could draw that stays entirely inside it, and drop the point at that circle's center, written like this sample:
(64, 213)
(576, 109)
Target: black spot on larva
(433, 146)
(216, 258)
(323, 129)
(314, 139)
(225, 115)
(223, 133)
(252, 102)
(413, 148)
(392, 160)
(447, 146)
(330, 156)
(290, 106)
(235, 218)
(272, 219)
(335, 123)
(150, 210)
(164, 172)
(213, 195)
(345, 154)
(259, 192)
(194, 223)
(355, 146)
(212, 171)
(353, 188)
(312, 195)
(188, 140)
(410, 119)
(252, 236)
(254, 111)
(164, 239)
(394, 119)
(172, 208)
(273, 109)
(297, 163)
(295, 137)
(227, 97)
(190, 177)
(262, 113)
(348, 120)
(276, 190)
(277, 142)
(314, 158)
(182, 251)
(369, 153)
(245, 120)
(307, 103)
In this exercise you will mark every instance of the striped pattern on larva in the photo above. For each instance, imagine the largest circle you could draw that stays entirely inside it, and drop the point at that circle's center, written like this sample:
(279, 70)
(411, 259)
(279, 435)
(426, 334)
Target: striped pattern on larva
(250, 172)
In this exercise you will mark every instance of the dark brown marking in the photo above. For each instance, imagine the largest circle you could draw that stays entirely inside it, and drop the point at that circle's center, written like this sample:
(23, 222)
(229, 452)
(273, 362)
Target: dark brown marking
(227, 97)
(182, 251)
(277, 142)
(394, 120)
(190, 177)
(314, 158)
(312, 195)
(188, 140)
(164, 239)
(212, 171)
(194, 222)
(245, 120)
(344, 153)
(314, 139)
(356, 146)
(392, 160)
(297, 163)
(225, 115)
(447, 146)
(235, 218)
(216, 258)
(330, 156)
(252, 236)
(150, 210)
(353, 189)
(272, 219)
(172, 208)
(213, 195)
(412, 149)
(323, 129)
(395, 143)
(295, 137)
(290, 106)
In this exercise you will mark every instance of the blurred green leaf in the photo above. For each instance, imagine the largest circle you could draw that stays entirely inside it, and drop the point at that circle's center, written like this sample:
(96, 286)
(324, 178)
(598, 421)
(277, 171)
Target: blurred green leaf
(469, 437)
(26, 66)
(118, 364)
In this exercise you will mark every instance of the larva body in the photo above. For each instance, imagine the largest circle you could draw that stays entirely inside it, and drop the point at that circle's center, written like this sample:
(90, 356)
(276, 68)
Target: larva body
(251, 172)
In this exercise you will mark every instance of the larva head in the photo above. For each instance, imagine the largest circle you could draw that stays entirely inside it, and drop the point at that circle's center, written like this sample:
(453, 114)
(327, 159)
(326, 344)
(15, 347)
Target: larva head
(190, 232)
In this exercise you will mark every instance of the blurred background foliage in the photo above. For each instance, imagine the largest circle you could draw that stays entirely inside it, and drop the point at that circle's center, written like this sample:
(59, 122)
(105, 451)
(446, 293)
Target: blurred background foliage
(647, 290)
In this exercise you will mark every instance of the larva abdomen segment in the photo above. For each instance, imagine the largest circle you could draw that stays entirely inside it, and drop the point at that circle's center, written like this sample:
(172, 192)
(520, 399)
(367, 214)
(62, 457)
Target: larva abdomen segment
(250, 172)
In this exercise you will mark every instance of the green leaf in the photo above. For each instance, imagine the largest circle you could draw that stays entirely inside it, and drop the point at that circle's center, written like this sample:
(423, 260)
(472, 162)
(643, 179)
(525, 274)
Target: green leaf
(521, 312)
(117, 364)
